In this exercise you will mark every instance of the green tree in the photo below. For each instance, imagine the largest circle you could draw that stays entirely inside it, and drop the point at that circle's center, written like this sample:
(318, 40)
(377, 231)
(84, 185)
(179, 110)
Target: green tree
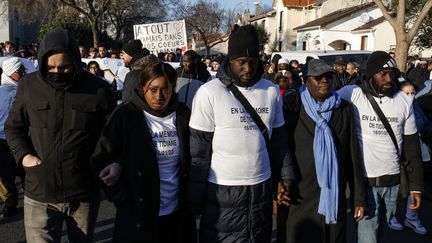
(406, 18)
(263, 35)
(80, 29)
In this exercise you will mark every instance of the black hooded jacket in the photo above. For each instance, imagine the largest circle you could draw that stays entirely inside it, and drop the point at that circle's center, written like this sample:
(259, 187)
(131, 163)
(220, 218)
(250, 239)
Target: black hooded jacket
(64, 123)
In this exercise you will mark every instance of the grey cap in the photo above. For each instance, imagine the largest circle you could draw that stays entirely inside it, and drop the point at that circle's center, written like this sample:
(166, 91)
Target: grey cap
(317, 67)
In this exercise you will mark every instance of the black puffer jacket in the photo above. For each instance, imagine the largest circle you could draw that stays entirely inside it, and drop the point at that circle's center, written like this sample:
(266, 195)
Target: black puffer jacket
(65, 125)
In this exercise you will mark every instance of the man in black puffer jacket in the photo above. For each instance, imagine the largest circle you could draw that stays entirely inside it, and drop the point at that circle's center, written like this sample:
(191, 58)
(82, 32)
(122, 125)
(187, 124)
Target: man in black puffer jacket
(63, 108)
(233, 168)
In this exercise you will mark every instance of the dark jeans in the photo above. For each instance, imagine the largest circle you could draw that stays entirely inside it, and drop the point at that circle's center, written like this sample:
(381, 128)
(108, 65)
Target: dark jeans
(8, 171)
(44, 221)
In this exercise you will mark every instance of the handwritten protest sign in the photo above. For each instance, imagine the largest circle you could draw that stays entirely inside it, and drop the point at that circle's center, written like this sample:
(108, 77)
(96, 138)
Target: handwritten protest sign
(162, 37)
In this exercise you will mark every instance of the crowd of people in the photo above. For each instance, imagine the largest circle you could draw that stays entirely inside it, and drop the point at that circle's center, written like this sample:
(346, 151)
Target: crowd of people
(222, 138)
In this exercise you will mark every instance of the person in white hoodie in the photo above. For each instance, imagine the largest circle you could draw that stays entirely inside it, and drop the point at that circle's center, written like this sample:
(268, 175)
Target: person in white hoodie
(13, 71)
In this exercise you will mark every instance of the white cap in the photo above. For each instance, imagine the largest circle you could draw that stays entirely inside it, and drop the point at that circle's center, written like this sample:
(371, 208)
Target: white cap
(11, 65)
(283, 61)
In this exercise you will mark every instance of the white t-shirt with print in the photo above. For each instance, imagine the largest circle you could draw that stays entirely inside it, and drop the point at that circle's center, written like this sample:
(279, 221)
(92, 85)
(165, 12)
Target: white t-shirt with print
(167, 147)
(379, 153)
(239, 150)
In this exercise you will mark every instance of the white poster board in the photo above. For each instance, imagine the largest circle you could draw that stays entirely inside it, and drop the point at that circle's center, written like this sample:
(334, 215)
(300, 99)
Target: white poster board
(162, 37)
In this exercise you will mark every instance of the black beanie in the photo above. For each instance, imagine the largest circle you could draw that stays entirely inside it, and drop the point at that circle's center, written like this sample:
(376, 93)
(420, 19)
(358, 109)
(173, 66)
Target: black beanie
(378, 61)
(133, 48)
(243, 42)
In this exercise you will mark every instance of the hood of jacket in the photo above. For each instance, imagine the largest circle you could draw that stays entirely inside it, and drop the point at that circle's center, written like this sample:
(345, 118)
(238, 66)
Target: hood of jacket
(226, 74)
(59, 41)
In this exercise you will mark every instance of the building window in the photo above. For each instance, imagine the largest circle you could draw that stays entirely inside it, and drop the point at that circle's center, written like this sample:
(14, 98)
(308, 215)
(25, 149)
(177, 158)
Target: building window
(280, 20)
(364, 43)
(304, 46)
(280, 46)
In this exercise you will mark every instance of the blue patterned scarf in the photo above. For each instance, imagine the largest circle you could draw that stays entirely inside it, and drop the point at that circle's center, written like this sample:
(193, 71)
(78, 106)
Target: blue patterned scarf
(326, 161)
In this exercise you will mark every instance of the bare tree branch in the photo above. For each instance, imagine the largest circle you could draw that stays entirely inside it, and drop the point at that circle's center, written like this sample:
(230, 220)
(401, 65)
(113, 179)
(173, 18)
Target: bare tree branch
(423, 14)
(386, 14)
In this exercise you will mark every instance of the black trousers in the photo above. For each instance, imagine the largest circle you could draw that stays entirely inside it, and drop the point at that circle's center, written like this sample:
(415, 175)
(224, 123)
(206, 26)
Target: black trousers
(8, 172)
(168, 228)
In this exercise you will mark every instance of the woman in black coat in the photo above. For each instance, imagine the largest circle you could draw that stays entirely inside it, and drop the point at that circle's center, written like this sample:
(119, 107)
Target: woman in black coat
(141, 158)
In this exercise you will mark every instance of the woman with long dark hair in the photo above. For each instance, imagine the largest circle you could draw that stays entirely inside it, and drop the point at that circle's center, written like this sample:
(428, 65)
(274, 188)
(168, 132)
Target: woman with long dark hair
(141, 158)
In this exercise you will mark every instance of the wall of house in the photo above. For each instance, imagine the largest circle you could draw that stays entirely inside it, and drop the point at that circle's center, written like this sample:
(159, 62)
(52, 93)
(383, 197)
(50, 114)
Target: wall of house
(271, 27)
(354, 21)
(330, 6)
(312, 38)
(384, 37)
(291, 18)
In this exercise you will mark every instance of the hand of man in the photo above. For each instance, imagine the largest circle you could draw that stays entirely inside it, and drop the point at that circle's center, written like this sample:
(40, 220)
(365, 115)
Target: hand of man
(30, 160)
(415, 200)
(283, 197)
(359, 213)
(111, 174)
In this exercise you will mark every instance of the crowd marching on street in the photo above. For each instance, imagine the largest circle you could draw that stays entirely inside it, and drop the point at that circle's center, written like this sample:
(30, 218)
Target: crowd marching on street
(210, 149)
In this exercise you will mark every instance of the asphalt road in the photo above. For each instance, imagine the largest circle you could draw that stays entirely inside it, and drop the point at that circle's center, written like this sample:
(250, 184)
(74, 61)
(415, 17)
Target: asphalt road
(12, 229)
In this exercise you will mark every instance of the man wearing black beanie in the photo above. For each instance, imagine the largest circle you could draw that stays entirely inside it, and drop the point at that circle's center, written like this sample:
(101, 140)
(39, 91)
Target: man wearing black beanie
(132, 55)
(233, 162)
(381, 152)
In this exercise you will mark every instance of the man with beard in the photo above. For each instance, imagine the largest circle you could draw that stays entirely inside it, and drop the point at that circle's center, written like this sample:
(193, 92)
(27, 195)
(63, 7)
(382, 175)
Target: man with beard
(233, 162)
(380, 155)
(325, 148)
(132, 53)
(191, 74)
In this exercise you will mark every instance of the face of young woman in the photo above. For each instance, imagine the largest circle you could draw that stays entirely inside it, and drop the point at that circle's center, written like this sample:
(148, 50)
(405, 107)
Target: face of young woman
(157, 93)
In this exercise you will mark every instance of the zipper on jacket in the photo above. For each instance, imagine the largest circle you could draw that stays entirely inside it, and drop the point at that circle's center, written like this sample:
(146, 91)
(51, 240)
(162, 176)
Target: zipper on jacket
(62, 98)
(249, 207)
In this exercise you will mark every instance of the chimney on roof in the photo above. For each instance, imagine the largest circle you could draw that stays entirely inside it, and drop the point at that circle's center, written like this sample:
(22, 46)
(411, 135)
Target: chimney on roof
(257, 8)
